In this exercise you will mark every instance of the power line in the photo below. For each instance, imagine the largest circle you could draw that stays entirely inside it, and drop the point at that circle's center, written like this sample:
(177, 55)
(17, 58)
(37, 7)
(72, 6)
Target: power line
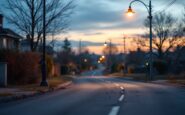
(165, 8)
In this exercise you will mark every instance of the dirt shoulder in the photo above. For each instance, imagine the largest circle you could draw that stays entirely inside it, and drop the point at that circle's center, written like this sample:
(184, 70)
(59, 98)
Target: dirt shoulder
(14, 92)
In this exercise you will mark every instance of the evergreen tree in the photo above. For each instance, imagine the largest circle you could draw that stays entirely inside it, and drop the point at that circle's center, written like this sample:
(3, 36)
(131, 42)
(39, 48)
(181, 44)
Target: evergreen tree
(66, 46)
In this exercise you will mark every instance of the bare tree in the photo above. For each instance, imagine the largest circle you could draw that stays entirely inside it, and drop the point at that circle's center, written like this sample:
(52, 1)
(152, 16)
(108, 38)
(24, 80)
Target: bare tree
(167, 34)
(183, 23)
(110, 50)
(26, 16)
(181, 32)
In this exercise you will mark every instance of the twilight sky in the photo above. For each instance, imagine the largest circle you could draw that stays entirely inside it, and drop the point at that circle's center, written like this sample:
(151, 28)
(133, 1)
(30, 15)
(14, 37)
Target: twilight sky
(99, 20)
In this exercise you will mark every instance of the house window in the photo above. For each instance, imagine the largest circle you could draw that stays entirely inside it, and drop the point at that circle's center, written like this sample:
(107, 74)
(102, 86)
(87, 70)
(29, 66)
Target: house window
(4, 43)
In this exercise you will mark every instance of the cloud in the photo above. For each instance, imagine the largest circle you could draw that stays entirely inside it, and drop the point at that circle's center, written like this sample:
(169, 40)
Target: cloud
(75, 43)
(93, 33)
(108, 14)
(92, 14)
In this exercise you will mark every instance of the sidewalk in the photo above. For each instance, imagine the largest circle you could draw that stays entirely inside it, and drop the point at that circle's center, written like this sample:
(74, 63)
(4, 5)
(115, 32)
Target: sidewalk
(17, 93)
(180, 83)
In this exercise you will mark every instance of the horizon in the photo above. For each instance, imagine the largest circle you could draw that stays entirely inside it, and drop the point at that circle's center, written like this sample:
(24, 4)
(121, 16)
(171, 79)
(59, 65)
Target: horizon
(109, 21)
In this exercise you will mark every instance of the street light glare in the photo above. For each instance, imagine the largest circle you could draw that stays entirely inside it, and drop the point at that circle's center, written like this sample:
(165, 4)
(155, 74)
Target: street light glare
(130, 12)
(105, 44)
(85, 60)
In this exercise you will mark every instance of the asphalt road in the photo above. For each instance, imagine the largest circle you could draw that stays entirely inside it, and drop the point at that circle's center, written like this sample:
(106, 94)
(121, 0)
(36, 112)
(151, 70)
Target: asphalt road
(98, 95)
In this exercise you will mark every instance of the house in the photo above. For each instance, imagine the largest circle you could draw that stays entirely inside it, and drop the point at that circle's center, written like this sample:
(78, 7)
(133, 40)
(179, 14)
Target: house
(25, 45)
(8, 38)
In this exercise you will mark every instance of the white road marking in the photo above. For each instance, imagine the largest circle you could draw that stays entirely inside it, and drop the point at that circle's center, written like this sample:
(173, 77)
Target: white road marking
(114, 110)
(121, 88)
(121, 98)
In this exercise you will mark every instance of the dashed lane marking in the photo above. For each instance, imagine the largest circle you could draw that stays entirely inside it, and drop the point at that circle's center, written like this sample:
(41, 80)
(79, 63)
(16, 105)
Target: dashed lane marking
(114, 110)
(121, 98)
(122, 88)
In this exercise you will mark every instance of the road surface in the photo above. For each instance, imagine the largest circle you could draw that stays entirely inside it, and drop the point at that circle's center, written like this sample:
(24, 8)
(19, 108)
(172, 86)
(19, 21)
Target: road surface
(98, 95)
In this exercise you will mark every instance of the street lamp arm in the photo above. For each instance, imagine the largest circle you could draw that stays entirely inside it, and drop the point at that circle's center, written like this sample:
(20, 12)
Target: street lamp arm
(149, 9)
(147, 6)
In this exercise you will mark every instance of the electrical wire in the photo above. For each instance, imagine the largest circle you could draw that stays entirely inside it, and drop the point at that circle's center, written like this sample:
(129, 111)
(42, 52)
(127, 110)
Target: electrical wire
(166, 8)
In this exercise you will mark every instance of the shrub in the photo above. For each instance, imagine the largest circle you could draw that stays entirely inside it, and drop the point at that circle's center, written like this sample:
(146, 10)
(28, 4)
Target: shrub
(64, 70)
(160, 66)
(56, 70)
(120, 67)
(130, 69)
(50, 64)
(23, 68)
(114, 68)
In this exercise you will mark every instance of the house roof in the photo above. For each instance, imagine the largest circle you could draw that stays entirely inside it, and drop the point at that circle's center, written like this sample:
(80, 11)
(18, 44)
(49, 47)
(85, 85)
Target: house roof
(10, 33)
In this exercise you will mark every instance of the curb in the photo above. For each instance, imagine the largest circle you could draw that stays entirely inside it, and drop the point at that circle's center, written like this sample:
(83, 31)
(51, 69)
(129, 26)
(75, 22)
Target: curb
(169, 84)
(63, 86)
(24, 96)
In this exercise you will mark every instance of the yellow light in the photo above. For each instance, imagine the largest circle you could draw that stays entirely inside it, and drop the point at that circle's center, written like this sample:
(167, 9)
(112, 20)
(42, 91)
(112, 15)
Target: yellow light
(130, 12)
(105, 44)
(85, 60)
(103, 57)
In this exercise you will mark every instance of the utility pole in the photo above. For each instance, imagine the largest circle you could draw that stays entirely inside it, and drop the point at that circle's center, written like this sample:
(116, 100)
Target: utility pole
(110, 54)
(80, 50)
(151, 52)
(124, 43)
(43, 62)
(124, 54)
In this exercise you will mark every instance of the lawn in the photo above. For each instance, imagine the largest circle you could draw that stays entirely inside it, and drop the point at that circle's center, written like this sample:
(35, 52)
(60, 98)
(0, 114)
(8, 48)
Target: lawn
(52, 82)
(175, 79)
(15, 90)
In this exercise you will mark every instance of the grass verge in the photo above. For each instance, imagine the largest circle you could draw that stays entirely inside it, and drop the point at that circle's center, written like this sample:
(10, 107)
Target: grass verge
(5, 94)
(170, 78)
(52, 82)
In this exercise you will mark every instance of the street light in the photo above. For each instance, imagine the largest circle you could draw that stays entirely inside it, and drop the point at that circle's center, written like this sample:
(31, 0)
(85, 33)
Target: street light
(105, 44)
(110, 52)
(43, 62)
(103, 57)
(130, 12)
(85, 60)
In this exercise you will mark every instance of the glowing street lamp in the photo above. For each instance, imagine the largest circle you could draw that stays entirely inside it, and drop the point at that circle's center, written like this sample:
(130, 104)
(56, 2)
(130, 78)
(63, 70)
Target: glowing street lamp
(130, 12)
(85, 60)
(105, 44)
(109, 58)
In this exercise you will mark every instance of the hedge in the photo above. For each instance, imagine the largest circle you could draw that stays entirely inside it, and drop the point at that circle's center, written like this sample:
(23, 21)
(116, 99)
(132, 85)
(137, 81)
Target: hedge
(23, 68)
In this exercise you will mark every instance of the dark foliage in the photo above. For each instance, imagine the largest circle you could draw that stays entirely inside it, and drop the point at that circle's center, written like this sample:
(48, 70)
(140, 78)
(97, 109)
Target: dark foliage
(23, 68)
(161, 66)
